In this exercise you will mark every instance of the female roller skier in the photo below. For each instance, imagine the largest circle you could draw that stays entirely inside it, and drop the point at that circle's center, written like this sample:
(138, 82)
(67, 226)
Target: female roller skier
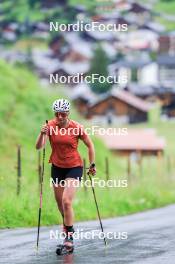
(66, 163)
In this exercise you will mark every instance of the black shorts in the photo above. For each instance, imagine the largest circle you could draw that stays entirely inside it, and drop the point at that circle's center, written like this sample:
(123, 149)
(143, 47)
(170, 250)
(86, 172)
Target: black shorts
(60, 174)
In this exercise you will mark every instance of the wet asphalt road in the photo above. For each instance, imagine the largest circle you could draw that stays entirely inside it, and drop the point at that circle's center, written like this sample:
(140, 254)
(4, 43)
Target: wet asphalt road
(150, 239)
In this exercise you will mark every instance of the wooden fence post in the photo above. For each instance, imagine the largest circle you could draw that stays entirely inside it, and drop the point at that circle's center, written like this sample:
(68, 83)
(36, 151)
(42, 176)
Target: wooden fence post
(129, 168)
(18, 169)
(107, 168)
(140, 162)
(159, 159)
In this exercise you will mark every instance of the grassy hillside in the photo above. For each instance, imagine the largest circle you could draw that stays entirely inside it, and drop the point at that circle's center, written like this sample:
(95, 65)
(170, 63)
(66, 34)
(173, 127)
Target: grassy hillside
(24, 106)
(166, 8)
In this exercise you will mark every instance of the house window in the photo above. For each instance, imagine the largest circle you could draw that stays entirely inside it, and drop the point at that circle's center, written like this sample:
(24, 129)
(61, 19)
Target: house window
(167, 76)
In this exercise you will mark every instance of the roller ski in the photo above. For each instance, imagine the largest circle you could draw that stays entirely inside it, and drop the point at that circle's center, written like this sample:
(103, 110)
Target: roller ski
(66, 248)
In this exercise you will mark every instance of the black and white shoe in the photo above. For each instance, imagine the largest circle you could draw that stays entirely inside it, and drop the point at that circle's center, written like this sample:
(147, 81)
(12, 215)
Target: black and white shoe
(66, 248)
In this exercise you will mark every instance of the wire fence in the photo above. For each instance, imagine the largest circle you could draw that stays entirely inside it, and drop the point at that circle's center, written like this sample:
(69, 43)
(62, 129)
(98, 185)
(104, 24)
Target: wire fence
(135, 167)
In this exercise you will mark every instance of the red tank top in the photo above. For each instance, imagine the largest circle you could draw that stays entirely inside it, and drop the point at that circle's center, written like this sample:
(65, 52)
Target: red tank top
(64, 144)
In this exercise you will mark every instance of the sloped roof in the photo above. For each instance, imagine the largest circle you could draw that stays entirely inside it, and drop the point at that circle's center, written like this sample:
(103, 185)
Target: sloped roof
(126, 97)
(101, 35)
(138, 8)
(135, 140)
(82, 90)
(78, 44)
(72, 67)
(166, 60)
(135, 63)
(156, 27)
(139, 89)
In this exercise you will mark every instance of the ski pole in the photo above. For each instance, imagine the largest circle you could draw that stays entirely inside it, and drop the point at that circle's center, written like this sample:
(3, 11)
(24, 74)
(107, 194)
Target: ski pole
(98, 212)
(41, 194)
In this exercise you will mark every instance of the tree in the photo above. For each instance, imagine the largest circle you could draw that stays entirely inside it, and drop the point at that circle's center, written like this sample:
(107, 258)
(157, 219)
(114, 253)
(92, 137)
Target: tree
(32, 3)
(99, 66)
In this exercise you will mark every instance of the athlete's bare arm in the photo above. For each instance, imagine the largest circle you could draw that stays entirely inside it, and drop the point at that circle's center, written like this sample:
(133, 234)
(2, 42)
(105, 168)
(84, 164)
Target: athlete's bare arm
(42, 137)
(91, 151)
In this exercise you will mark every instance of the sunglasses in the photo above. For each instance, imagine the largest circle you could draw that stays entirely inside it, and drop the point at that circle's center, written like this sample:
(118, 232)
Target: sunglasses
(61, 114)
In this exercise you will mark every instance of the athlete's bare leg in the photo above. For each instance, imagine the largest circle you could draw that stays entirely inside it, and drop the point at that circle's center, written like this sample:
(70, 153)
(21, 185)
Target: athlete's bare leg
(58, 191)
(67, 200)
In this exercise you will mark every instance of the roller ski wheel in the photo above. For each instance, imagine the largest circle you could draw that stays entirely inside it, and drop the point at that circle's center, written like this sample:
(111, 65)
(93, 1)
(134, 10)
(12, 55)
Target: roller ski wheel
(64, 249)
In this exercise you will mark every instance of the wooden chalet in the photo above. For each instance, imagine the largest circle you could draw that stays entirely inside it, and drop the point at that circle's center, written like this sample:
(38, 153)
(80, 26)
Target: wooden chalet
(139, 13)
(167, 43)
(164, 96)
(166, 64)
(136, 142)
(121, 104)
(82, 95)
(59, 46)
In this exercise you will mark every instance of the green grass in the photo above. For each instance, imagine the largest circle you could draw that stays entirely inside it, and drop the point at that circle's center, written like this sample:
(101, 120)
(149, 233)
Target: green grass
(24, 44)
(167, 7)
(86, 3)
(24, 106)
(169, 25)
